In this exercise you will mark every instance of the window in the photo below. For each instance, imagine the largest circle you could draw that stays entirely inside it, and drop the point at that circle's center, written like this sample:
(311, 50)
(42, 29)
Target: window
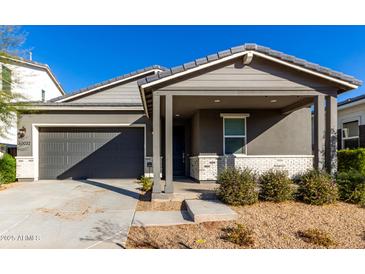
(43, 95)
(350, 134)
(234, 134)
(5, 78)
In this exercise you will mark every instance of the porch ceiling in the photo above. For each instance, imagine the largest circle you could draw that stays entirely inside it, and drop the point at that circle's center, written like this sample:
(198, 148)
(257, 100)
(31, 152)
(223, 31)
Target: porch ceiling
(186, 106)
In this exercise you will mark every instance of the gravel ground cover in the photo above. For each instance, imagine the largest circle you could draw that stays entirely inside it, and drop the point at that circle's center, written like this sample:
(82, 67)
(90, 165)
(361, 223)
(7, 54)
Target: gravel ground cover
(275, 225)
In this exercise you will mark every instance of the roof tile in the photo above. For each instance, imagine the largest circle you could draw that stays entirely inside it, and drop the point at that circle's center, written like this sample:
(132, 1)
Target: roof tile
(237, 49)
(201, 61)
(212, 57)
(224, 53)
(189, 65)
(177, 69)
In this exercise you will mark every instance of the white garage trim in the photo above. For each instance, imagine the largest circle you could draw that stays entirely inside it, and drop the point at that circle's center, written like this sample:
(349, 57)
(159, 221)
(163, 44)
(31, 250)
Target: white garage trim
(35, 138)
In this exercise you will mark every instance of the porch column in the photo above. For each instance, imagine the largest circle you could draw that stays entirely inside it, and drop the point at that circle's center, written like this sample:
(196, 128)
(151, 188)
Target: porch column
(169, 188)
(319, 132)
(331, 134)
(156, 144)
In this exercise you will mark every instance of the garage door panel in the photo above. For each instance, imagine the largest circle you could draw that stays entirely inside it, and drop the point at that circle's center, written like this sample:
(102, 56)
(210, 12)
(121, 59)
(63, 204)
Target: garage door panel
(91, 153)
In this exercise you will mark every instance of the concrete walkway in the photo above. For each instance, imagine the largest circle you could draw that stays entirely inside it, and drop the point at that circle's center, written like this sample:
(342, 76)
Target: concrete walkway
(161, 218)
(67, 214)
(197, 211)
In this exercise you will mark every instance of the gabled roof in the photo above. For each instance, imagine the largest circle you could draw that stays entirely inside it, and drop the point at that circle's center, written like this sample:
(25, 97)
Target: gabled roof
(135, 74)
(15, 59)
(256, 50)
(355, 100)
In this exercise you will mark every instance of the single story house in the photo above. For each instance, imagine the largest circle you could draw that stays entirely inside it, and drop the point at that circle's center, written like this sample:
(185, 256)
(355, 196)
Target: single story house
(248, 106)
(351, 123)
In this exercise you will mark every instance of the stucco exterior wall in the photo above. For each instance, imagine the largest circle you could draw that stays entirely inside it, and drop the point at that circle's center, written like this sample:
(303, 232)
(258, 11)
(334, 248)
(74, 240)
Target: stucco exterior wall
(27, 157)
(76, 118)
(29, 82)
(268, 132)
(356, 112)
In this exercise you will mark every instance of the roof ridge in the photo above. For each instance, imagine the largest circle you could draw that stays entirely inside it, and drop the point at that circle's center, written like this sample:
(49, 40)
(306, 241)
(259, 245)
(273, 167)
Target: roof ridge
(254, 47)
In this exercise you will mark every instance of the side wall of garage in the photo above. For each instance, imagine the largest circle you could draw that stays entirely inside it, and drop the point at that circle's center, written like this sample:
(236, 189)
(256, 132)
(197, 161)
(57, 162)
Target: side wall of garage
(28, 125)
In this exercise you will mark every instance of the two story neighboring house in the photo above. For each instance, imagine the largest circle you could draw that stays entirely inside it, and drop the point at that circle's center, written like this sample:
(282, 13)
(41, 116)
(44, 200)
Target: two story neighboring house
(351, 123)
(34, 81)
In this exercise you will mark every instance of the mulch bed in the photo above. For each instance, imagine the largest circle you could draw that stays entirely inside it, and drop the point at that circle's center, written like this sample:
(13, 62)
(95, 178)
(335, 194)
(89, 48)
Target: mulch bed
(275, 225)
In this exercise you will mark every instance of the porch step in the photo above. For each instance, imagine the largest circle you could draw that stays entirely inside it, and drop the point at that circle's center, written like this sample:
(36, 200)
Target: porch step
(161, 218)
(209, 211)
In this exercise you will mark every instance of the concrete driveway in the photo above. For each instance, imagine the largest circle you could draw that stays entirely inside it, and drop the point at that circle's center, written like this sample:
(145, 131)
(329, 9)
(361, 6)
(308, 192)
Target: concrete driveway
(90, 213)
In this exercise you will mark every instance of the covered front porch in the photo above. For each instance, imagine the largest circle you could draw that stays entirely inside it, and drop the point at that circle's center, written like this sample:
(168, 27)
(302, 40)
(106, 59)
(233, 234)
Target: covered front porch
(198, 135)
(247, 106)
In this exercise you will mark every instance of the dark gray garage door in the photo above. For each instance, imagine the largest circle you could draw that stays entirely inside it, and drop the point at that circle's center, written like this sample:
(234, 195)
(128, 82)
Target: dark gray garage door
(91, 153)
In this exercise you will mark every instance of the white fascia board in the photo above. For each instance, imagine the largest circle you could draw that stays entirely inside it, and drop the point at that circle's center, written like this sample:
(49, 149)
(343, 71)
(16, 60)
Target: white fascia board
(250, 55)
(318, 74)
(88, 108)
(352, 104)
(233, 56)
(107, 85)
(216, 62)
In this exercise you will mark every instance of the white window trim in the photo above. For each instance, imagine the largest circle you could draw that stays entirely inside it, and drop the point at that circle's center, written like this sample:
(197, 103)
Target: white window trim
(343, 139)
(242, 116)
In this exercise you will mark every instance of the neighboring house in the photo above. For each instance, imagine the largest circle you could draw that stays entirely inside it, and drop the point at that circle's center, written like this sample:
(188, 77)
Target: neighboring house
(247, 106)
(351, 123)
(34, 81)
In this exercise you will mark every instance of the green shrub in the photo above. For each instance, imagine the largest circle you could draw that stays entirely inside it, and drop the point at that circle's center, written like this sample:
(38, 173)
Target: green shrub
(317, 237)
(351, 186)
(351, 159)
(146, 183)
(240, 235)
(7, 169)
(237, 187)
(276, 186)
(317, 188)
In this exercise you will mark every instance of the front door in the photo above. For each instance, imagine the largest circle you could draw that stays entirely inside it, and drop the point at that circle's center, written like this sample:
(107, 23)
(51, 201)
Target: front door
(179, 151)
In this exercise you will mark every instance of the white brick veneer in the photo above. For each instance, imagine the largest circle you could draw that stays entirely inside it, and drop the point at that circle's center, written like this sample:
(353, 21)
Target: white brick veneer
(207, 168)
(148, 170)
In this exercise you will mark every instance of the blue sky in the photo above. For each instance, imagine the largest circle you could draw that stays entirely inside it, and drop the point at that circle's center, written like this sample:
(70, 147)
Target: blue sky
(84, 55)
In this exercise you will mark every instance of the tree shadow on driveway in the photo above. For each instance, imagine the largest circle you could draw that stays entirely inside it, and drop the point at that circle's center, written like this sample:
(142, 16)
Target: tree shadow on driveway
(109, 232)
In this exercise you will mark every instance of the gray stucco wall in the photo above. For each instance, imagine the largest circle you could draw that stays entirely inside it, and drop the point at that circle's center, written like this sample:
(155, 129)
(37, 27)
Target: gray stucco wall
(268, 132)
(67, 117)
